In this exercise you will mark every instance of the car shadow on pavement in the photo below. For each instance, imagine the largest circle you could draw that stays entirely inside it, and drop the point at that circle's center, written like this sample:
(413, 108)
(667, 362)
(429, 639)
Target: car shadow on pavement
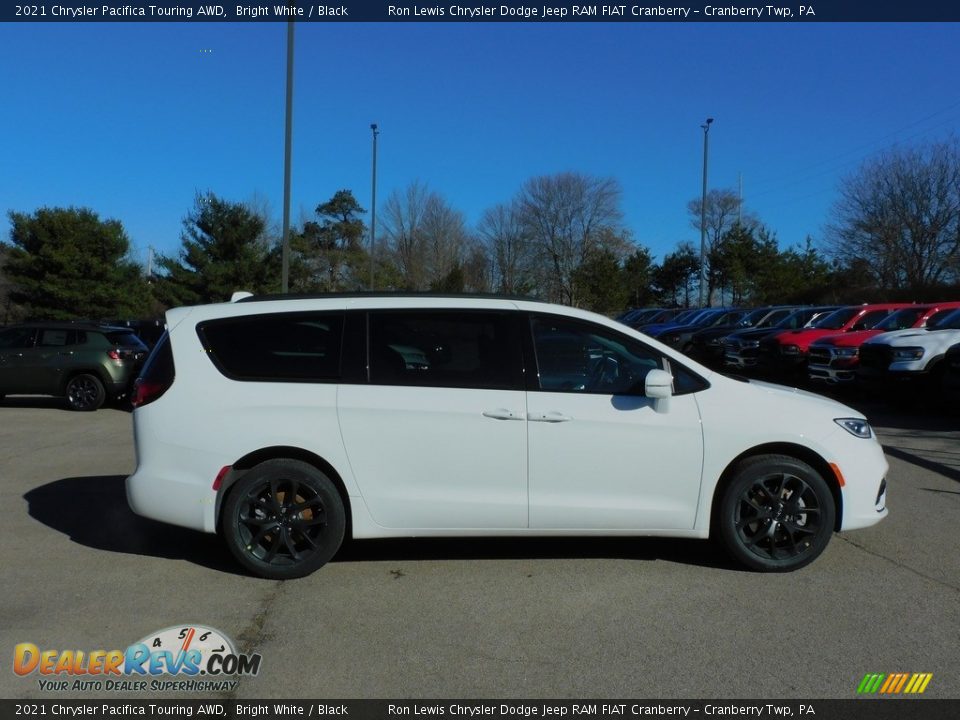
(34, 401)
(93, 512)
(685, 552)
(55, 403)
(940, 468)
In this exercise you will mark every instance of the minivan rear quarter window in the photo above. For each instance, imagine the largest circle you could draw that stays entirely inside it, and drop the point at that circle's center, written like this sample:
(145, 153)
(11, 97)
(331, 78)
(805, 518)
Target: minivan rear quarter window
(291, 347)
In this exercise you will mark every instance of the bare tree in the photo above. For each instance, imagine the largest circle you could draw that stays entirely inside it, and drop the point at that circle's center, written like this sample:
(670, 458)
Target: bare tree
(511, 251)
(900, 213)
(724, 211)
(427, 236)
(402, 219)
(563, 215)
(446, 236)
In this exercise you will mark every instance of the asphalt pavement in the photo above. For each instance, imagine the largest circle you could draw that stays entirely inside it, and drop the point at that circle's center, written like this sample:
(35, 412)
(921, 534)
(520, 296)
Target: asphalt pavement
(491, 618)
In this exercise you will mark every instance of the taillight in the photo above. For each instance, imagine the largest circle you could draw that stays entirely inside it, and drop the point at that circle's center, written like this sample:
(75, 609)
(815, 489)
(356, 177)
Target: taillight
(145, 392)
(157, 375)
(113, 355)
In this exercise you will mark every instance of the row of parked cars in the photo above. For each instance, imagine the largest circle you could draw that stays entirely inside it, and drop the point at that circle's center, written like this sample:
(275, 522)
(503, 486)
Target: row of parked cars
(892, 349)
(896, 350)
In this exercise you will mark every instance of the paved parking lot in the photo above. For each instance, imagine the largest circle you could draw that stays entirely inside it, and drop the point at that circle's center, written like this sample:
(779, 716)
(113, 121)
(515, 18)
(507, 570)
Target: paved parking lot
(482, 618)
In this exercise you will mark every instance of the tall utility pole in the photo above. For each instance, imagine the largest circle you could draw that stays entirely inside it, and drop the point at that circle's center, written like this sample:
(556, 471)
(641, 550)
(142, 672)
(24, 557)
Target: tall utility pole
(287, 145)
(373, 204)
(703, 212)
(740, 201)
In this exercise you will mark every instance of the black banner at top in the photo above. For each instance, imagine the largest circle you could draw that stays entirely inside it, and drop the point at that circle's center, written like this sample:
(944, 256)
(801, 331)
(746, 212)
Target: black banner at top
(484, 12)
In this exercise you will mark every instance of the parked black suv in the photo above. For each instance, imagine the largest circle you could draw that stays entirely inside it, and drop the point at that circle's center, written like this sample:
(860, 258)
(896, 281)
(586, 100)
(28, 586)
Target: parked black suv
(84, 363)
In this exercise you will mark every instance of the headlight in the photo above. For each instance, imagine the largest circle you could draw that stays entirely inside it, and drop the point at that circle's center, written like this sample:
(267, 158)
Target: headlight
(908, 353)
(790, 350)
(845, 352)
(855, 426)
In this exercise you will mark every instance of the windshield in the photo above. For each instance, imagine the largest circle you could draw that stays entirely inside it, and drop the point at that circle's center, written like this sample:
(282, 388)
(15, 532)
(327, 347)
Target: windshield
(726, 318)
(949, 322)
(754, 316)
(775, 319)
(796, 319)
(689, 316)
(837, 319)
(706, 318)
(125, 338)
(901, 319)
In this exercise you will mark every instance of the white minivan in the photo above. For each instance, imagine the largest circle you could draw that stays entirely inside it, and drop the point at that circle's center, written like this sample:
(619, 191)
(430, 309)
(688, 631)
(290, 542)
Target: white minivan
(285, 423)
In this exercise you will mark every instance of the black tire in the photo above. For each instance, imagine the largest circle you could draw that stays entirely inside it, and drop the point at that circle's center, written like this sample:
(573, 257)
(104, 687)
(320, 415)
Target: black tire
(85, 392)
(283, 519)
(776, 515)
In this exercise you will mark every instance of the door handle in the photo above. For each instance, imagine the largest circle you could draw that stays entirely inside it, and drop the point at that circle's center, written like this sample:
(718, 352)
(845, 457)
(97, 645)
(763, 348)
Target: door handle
(503, 414)
(550, 417)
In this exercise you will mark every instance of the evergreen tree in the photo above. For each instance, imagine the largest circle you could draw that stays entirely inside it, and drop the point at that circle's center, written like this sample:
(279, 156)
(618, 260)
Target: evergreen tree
(68, 263)
(224, 250)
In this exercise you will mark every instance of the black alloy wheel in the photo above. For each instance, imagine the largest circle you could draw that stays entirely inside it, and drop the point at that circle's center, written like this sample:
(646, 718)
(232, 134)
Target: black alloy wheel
(283, 519)
(85, 392)
(777, 515)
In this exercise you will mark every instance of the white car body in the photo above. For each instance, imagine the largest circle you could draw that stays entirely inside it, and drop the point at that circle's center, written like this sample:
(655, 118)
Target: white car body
(441, 461)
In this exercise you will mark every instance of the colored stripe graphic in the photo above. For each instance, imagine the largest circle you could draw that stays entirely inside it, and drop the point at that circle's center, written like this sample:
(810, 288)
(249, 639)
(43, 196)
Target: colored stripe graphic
(894, 684)
(870, 683)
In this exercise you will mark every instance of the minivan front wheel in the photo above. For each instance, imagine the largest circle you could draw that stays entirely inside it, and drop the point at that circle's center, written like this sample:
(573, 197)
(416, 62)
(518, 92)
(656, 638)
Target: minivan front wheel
(777, 514)
(85, 392)
(283, 519)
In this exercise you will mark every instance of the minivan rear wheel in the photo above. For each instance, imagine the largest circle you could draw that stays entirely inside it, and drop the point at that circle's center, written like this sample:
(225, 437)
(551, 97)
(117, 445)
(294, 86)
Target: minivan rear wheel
(283, 519)
(777, 514)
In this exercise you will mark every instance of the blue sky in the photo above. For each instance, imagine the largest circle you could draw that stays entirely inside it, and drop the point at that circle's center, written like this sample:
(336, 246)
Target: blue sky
(133, 119)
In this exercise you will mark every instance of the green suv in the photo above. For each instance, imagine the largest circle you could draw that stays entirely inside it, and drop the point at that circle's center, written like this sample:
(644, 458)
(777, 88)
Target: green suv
(82, 362)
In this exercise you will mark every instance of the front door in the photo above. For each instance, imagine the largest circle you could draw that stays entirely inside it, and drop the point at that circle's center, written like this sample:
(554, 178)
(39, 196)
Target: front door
(603, 456)
(16, 360)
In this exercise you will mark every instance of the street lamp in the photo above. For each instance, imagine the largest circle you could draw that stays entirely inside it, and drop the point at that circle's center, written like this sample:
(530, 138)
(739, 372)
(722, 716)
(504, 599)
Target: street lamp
(373, 203)
(703, 210)
(287, 144)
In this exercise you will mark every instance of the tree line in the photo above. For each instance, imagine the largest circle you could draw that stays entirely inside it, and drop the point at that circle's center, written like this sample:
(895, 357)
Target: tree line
(894, 232)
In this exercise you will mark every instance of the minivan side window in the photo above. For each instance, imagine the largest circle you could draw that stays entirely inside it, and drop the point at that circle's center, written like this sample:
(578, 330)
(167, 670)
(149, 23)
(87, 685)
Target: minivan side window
(457, 349)
(278, 347)
(580, 357)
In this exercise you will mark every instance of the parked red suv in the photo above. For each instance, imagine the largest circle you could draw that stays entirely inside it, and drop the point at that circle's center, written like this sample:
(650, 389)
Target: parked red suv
(834, 359)
(786, 353)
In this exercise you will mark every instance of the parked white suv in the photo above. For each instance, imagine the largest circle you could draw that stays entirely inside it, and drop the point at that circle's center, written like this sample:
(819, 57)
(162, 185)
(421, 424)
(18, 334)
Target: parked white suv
(285, 423)
(910, 360)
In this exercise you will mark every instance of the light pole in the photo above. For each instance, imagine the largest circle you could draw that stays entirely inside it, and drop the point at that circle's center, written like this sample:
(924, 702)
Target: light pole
(703, 211)
(373, 203)
(287, 144)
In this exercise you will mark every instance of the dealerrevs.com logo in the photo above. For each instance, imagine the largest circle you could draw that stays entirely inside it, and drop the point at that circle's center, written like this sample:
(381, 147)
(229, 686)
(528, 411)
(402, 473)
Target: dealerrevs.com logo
(199, 658)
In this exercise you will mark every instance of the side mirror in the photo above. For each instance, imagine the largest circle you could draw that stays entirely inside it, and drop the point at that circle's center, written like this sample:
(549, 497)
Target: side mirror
(658, 386)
